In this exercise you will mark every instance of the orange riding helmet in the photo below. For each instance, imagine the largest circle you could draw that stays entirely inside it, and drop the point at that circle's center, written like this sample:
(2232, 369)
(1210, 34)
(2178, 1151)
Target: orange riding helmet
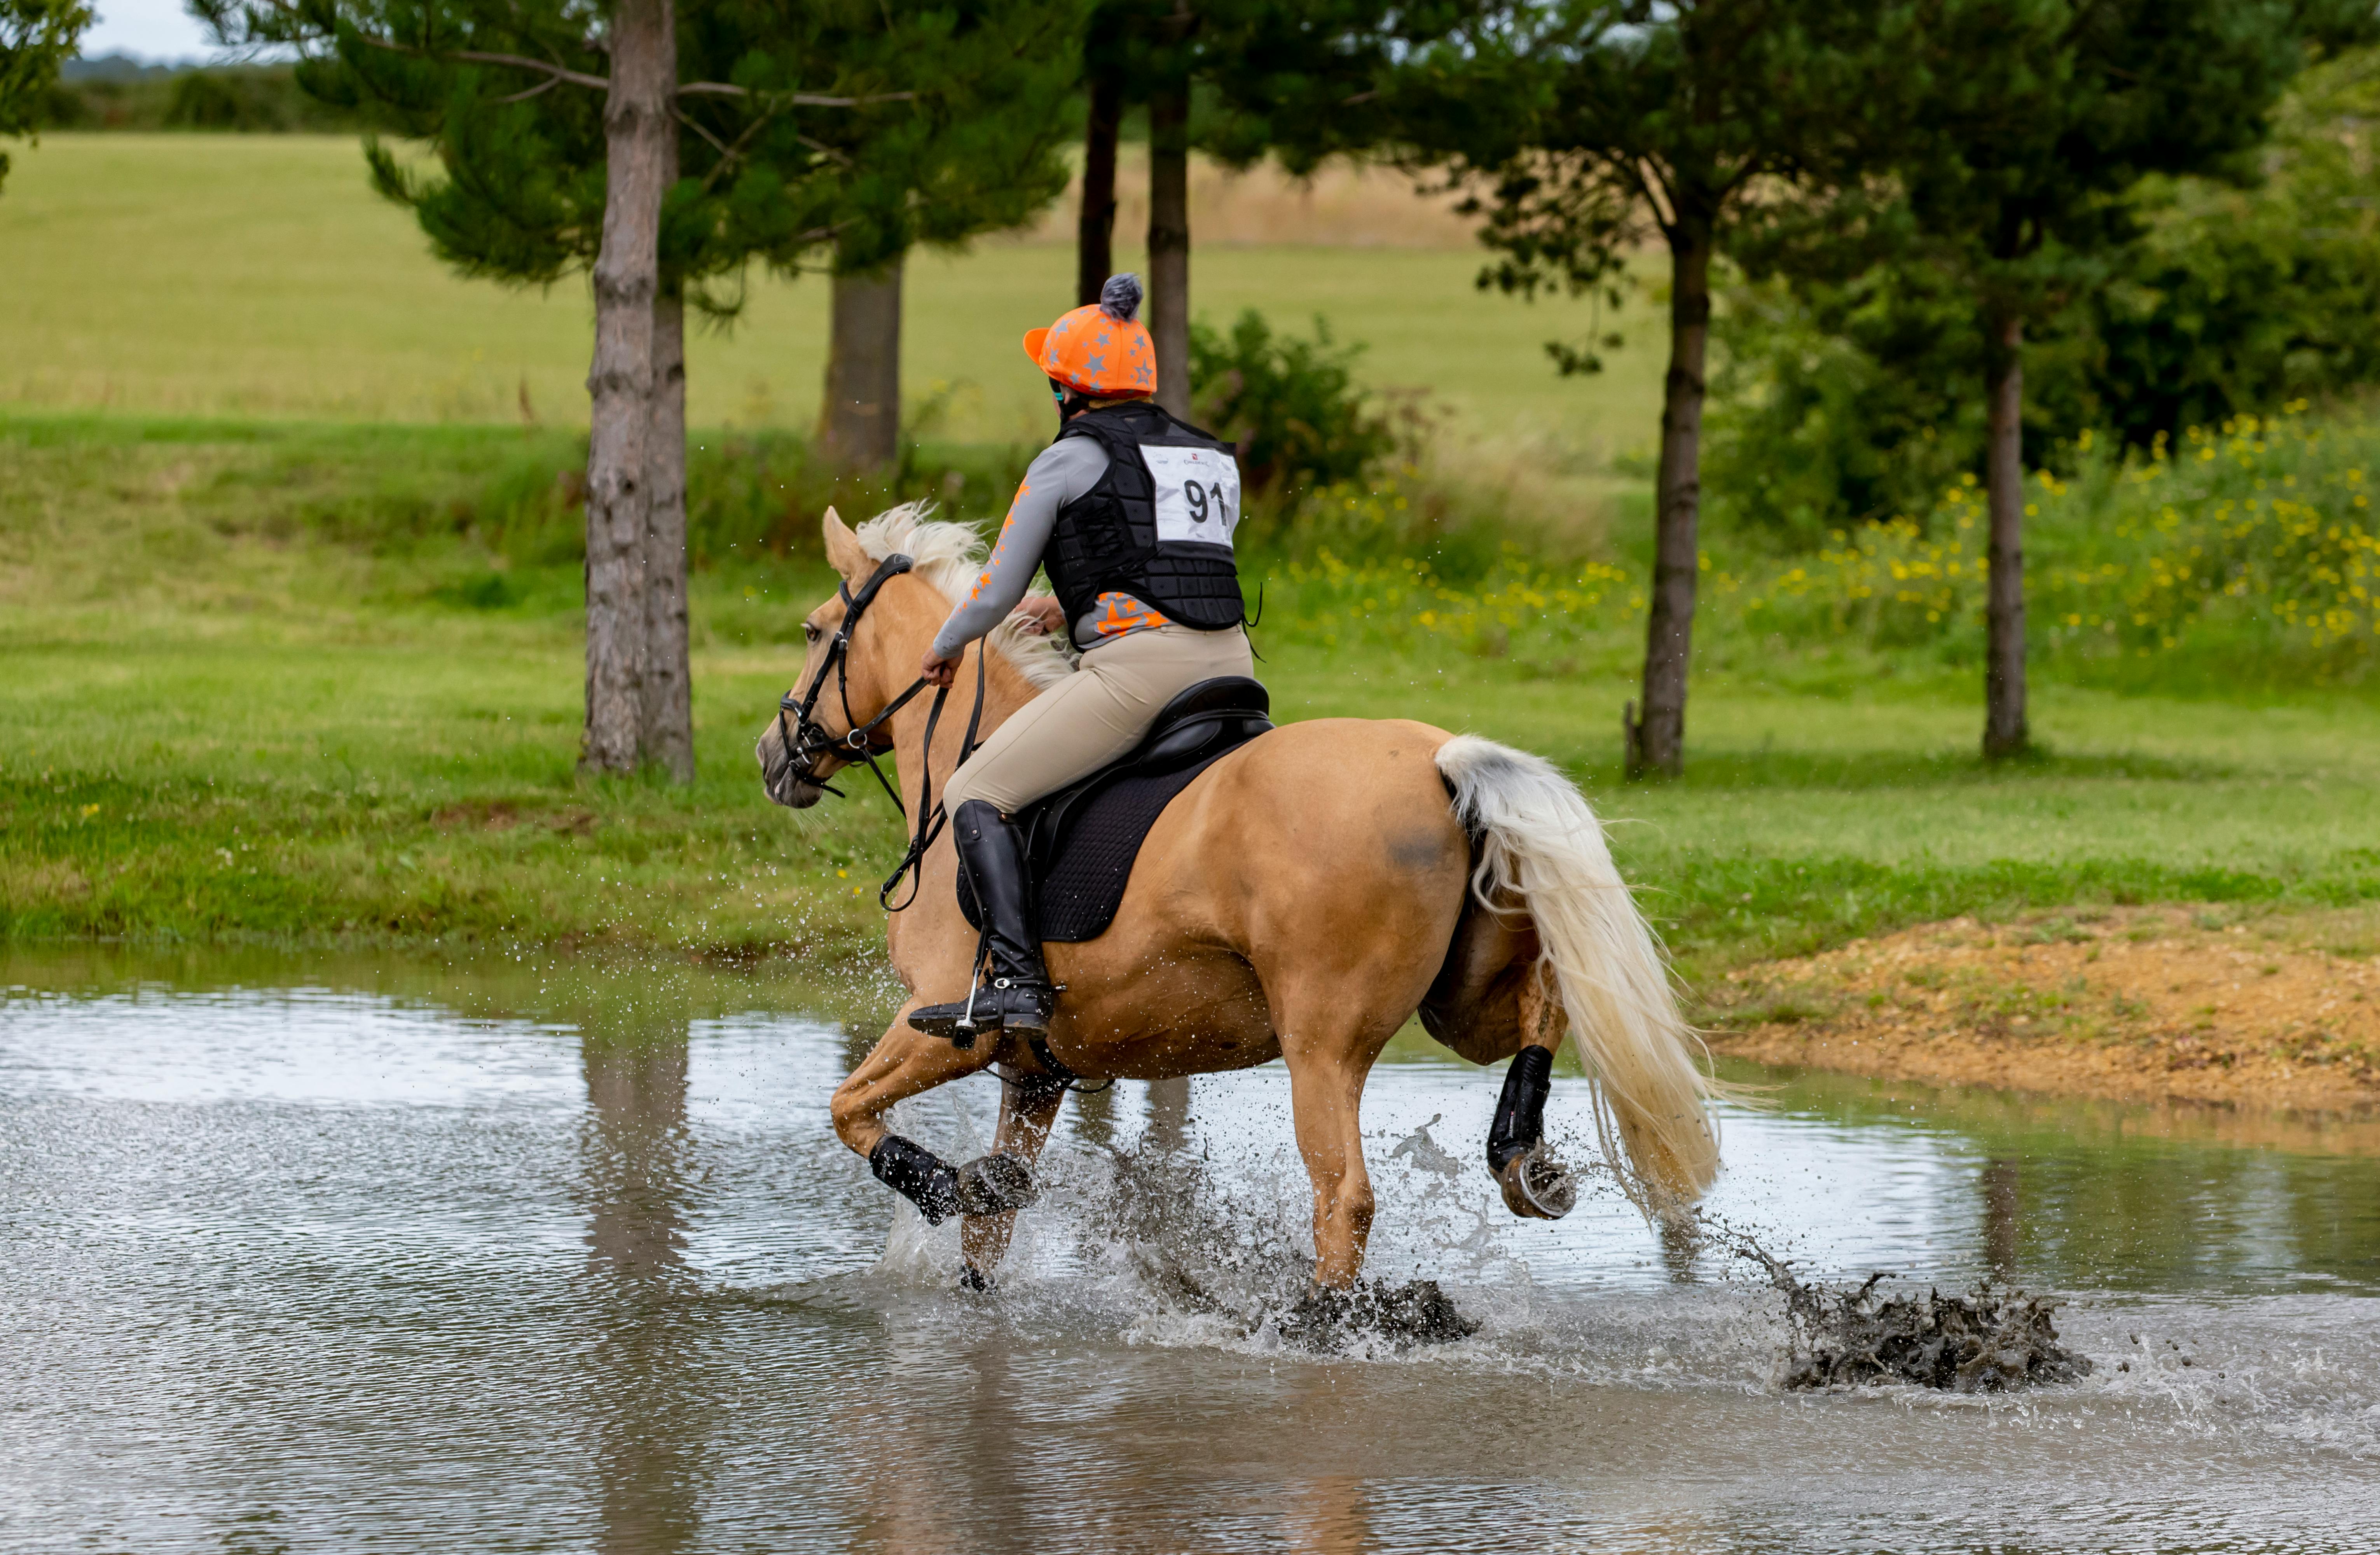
(1102, 351)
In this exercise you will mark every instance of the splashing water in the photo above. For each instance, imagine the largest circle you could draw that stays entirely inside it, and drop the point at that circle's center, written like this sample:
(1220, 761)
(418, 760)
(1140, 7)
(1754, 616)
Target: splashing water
(571, 1288)
(1988, 1342)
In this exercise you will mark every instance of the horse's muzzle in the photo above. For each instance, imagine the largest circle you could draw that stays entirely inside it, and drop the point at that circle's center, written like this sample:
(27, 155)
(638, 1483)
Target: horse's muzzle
(792, 792)
(781, 778)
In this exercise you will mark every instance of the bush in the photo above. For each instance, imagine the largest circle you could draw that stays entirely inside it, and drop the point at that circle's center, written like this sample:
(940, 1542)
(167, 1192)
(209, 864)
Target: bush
(1839, 405)
(2245, 555)
(1293, 405)
(1841, 409)
(2247, 552)
(756, 494)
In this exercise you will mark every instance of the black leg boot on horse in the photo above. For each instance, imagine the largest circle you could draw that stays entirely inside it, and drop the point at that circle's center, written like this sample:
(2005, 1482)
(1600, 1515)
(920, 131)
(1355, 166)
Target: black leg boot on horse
(1015, 994)
(1536, 1186)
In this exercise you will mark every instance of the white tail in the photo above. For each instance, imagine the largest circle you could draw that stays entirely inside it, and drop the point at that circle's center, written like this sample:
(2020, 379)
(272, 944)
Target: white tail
(1542, 851)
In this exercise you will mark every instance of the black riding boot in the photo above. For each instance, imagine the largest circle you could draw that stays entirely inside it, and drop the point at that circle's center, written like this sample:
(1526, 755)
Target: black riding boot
(1016, 995)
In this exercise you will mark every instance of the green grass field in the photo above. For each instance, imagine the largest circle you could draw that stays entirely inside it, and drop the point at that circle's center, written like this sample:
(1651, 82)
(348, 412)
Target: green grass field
(228, 716)
(289, 622)
(259, 275)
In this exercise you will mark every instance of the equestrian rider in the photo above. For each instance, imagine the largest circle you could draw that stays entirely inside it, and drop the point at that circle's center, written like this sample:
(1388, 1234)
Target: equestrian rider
(1132, 513)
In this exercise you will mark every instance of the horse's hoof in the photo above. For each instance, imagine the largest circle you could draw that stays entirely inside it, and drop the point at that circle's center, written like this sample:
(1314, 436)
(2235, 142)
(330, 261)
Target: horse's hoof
(973, 1280)
(1536, 1186)
(1410, 1313)
(994, 1184)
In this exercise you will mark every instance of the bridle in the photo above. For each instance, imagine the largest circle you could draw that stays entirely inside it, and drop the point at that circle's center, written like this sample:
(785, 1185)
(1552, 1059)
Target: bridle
(807, 739)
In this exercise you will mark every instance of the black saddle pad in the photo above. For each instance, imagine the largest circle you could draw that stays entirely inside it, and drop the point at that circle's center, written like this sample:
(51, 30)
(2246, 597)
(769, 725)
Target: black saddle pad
(1083, 883)
(1081, 841)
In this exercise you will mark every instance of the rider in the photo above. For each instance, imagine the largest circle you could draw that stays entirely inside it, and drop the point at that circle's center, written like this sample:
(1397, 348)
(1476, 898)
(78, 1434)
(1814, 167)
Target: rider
(1131, 511)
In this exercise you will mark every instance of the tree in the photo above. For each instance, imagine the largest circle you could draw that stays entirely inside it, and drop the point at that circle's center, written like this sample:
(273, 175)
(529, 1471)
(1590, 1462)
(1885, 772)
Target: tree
(978, 151)
(1142, 51)
(2242, 299)
(1661, 120)
(36, 37)
(1299, 81)
(859, 413)
(1850, 380)
(1103, 103)
(661, 151)
(2025, 125)
(557, 130)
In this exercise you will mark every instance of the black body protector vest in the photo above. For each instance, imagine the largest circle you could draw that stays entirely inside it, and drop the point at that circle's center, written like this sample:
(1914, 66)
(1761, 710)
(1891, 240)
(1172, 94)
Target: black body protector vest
(1158, 524)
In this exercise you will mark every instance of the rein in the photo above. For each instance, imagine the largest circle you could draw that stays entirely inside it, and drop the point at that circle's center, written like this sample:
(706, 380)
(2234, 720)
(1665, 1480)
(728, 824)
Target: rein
(807, 739)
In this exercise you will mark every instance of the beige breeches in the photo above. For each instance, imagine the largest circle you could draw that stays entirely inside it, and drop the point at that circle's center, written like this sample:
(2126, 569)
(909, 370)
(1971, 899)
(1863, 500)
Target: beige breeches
(1094, 715)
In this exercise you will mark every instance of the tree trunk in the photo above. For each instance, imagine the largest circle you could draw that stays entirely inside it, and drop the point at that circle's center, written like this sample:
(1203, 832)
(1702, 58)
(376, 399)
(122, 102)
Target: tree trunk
(1656, 737)
(859, 425)
(1095, 230)
(1168, 245)
(637, 127)
(669, 693)
(2004, 728)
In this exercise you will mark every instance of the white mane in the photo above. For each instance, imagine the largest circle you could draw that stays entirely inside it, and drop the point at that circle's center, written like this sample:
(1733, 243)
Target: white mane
(950, 556)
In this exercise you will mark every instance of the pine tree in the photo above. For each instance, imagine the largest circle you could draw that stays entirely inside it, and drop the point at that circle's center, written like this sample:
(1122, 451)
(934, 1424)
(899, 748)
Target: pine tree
(1143, 52)
(2024, 127)
(662, 147)
(1665, 121)
(977, 153)
(1296, 81)
(36, 37)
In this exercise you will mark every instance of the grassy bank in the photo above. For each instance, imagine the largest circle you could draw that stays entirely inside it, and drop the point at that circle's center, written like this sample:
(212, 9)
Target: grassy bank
(310, 685)
(2165, 1002)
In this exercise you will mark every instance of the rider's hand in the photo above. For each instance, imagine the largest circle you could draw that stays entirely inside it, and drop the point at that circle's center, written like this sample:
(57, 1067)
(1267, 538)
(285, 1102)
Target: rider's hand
(937, 670)
(1044, 616)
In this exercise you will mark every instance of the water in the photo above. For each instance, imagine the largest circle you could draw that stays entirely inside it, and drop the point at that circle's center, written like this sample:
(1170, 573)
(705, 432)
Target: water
(374, 1257)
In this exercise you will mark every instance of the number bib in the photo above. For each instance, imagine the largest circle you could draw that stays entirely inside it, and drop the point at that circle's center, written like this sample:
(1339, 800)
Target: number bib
(1197, 493)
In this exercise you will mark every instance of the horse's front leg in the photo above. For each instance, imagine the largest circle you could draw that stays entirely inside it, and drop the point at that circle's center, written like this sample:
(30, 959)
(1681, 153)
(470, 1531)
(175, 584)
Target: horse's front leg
(907, 1062)
(1028, 1109)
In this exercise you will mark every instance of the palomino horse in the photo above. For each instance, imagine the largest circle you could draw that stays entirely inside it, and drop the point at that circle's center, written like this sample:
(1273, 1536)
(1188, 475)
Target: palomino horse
(1302, 899)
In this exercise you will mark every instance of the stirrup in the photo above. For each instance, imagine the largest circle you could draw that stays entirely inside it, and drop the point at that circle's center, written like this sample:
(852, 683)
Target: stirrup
(1001, 1005)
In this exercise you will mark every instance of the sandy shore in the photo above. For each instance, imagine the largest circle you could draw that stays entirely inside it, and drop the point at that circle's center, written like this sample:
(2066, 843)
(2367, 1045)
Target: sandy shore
(2145, 1003)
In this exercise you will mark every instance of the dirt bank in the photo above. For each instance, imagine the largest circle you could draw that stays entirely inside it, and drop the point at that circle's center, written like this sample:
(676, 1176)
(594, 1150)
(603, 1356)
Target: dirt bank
(2183, 1003)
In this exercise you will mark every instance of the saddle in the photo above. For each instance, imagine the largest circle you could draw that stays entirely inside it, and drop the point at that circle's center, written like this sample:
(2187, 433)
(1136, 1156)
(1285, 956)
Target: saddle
(1080, 841)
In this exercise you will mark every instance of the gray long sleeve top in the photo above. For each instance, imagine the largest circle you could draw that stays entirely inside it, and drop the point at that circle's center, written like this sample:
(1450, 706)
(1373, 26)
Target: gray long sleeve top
(1062, 472)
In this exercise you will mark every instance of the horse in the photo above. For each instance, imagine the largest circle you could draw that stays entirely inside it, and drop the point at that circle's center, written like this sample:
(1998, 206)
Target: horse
(1303, 898)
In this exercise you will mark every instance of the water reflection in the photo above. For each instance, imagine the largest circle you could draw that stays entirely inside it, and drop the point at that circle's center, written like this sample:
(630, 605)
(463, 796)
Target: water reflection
(1169, 1113)
(2090, 1195)
(1324, 1516)
(586, 1269)
(2003, 1222)
(638, 1171)
(645, 1392)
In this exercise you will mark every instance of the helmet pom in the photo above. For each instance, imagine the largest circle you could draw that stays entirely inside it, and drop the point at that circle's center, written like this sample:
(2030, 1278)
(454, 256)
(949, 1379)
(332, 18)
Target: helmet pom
(1120, 298)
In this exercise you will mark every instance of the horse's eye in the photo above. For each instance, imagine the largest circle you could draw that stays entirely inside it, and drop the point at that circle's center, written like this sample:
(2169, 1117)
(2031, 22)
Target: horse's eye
(810, 631)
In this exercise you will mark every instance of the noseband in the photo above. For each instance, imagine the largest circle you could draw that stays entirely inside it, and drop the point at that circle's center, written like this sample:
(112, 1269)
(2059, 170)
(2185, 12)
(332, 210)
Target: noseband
(806, 740)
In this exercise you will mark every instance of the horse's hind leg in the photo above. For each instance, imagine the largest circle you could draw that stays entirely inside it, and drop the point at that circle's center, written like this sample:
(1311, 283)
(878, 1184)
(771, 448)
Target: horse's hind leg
(1028, 1108)
(1324, 1095)
(1327, 1069)
(1535, 1185)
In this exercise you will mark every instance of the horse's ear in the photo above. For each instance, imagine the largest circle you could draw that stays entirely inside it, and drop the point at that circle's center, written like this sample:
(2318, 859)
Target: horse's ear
(843, 551)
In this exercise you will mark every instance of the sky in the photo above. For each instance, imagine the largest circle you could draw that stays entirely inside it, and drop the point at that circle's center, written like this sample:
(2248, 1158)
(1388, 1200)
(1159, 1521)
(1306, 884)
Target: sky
(147, 30)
